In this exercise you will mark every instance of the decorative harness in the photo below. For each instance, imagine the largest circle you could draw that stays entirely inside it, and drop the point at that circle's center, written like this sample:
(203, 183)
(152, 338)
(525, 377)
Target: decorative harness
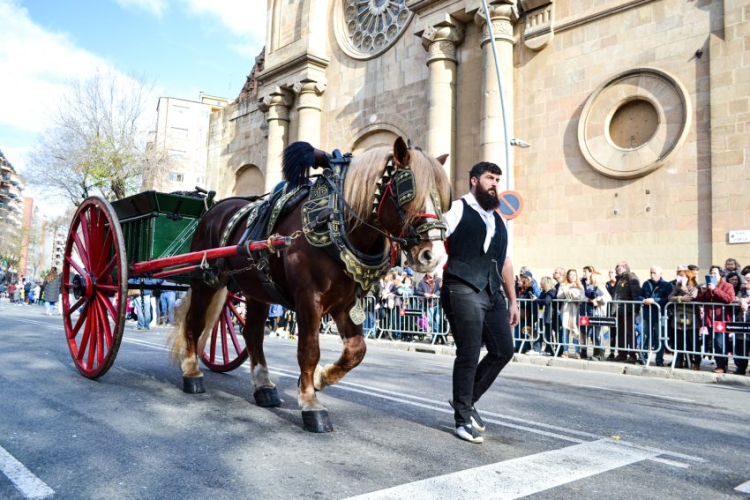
(323, 222)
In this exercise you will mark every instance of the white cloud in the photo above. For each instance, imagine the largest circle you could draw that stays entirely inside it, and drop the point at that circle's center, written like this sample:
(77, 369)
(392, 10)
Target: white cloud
(155, 7)
(242, 17)
(35, 65)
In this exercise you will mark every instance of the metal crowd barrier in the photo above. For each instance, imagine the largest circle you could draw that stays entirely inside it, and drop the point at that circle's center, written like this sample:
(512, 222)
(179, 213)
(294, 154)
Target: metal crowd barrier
(694, 330)
(412, 317)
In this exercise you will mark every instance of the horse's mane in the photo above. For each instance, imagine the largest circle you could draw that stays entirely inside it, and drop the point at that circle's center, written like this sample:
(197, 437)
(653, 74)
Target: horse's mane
(364, 172)
(366, 169)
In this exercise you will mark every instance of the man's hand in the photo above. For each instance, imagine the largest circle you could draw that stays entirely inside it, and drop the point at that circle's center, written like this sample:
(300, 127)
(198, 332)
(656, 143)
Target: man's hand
(711, 287)
(513, 314)
(648, 302)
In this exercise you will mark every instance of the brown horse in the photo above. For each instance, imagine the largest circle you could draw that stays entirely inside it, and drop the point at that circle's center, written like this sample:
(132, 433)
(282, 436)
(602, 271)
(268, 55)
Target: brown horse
(376, 212)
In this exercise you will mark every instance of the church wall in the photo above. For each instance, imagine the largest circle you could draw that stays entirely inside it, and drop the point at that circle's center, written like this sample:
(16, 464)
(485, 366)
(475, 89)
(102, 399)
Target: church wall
(576, 216)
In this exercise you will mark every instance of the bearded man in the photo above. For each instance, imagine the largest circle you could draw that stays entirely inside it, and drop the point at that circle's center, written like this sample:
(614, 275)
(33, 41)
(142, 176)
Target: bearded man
(475, 275)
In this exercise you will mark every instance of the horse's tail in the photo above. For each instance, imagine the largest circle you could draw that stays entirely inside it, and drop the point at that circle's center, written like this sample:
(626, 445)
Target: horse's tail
(297, 160)
(178, 336)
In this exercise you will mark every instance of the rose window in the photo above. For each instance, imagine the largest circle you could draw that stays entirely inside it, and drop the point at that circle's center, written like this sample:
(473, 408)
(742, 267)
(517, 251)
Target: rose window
(367, 28)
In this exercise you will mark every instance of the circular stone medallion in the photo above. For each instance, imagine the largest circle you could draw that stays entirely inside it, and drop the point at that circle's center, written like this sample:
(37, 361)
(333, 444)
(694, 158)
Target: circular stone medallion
(632, 124)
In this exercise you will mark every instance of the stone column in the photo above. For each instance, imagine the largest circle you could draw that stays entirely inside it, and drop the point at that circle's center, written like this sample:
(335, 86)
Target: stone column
(309, 108)
(503, 14)
(276, 106)
(441, 41)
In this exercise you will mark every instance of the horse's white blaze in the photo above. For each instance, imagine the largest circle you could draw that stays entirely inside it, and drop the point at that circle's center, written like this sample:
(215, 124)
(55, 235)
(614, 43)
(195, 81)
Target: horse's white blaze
(261, 378)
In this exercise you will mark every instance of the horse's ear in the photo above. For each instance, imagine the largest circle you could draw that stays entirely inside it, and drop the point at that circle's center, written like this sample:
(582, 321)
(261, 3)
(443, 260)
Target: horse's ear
(400, 153)
(441, 159)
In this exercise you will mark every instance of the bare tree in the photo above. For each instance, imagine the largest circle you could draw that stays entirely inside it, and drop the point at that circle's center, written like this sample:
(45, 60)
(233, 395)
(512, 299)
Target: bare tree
(97, 144)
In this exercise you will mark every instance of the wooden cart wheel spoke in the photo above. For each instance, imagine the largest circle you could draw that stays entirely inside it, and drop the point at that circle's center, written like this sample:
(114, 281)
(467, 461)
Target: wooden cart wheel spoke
(84, 345)
(85, 217)
(112, 262)
(95, 284)
(82, 252)
(109, 308)
(232, 332)
(81, 319)
(78, 268)
(222, 335)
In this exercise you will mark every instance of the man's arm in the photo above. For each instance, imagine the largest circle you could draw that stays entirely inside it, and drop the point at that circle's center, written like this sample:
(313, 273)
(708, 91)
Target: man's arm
(510, 291)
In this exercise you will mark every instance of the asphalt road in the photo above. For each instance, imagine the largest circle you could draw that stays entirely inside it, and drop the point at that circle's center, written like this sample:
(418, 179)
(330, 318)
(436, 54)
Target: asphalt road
(552, 433)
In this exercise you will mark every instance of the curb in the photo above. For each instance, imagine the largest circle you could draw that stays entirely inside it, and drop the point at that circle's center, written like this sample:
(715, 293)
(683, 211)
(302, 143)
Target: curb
(683, 375)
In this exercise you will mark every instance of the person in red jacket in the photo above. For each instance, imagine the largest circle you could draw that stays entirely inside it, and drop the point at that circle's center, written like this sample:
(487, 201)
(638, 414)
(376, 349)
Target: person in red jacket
(721, 292)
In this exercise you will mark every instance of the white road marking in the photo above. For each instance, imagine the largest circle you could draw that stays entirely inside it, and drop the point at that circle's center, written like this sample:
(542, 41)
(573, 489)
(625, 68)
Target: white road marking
(520, 477)
(634, 393)
(670, 462)
(744, 487)
(562, 432)
(22, 478)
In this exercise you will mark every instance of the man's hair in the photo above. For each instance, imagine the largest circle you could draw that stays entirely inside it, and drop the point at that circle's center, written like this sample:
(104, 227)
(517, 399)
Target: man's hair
(482, 167)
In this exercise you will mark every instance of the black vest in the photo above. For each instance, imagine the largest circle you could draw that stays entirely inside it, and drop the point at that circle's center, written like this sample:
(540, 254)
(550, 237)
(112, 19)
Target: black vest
(467, 260)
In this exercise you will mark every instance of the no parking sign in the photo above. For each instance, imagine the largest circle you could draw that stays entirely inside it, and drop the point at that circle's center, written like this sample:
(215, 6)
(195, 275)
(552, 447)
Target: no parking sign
(511, 205)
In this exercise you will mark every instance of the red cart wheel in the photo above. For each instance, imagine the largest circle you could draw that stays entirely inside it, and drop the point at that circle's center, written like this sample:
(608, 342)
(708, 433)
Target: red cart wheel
(226, 349)
(94, 287)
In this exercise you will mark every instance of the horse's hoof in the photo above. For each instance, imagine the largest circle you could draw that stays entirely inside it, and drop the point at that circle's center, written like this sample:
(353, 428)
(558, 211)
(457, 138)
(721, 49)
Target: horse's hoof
(193, 385)
(316, 421)
(267, 398)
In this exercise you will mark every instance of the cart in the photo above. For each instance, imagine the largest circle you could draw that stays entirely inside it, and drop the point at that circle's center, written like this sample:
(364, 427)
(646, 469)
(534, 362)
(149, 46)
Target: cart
(133, 244)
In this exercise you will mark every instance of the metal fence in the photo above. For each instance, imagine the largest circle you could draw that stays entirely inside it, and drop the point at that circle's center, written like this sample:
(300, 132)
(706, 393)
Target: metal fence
(623, 330)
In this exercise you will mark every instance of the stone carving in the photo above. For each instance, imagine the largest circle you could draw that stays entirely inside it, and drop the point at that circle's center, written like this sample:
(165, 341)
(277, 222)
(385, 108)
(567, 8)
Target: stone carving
(538, 29)
(502, 16)
(441, 40)
(250, 89)
(371, 26)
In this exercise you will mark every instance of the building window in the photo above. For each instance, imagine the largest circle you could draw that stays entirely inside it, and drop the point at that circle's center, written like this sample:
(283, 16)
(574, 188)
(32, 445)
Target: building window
(173, 177)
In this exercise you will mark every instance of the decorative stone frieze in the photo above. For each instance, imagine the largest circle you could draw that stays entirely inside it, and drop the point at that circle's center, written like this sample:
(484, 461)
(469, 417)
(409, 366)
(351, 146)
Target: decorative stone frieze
(503, 16)
(538, 29)
(441, 41)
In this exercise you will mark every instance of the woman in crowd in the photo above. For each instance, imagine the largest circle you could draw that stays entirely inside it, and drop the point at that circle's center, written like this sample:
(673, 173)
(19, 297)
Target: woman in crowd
(52, 286)
(527, 315)
(598, 298)
(586, 308)
(544, 301)
(570, 290)
(721, 293)
(684, 330)
(404, 290)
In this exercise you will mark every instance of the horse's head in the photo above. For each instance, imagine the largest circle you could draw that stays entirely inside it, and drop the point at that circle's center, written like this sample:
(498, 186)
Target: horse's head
(410, 194)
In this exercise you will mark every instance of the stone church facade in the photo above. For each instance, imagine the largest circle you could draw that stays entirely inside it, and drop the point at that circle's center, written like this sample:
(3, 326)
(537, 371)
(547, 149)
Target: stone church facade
(637, 113)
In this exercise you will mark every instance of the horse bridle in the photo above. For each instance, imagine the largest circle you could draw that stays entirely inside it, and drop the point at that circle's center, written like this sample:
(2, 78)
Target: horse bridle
(401, 188)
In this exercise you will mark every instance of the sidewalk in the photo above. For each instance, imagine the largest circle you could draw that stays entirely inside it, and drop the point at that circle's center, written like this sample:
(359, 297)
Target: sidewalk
(702, 377)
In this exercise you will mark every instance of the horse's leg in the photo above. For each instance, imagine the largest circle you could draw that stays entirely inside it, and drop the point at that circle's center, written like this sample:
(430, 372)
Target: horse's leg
(352, 353)
(314, 415)
(265, 393)
(201, 310)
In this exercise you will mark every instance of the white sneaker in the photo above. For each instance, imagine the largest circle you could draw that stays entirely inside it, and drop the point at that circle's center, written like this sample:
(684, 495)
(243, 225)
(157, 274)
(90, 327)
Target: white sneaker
(469, 433)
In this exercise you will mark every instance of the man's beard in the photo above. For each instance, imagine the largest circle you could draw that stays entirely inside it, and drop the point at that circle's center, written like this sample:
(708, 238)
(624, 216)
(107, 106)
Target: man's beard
(488, 200)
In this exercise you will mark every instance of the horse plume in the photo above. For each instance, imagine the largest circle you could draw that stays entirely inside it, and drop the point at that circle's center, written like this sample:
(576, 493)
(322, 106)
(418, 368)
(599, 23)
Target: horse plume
(298, 159)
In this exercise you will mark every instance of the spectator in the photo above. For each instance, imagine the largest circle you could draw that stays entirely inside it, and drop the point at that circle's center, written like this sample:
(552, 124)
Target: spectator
(528, 313)
(167, 300)
(274, 314)
(744, 292)
(586, 308)
(732, 266)
(544, 301)
(627, 288)
(654, 295)
(734, 279)
(404, 290)
(429, 289)
(741, 342)
(12, 293)
(27, 292)
(52, 288)
(535, 288)
(142, 302)
(686, 318)
(571, 290)
(599, 299)
(720, 292)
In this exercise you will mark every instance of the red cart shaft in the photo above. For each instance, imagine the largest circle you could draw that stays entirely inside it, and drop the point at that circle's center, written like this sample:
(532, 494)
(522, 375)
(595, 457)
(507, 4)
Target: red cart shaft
(207, 255)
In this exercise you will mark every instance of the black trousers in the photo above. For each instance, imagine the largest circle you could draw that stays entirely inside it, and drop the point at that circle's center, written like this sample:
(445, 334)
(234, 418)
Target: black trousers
(476, 317)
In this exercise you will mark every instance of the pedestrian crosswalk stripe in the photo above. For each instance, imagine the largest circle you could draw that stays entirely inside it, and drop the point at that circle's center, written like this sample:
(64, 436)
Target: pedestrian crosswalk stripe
(520, 477)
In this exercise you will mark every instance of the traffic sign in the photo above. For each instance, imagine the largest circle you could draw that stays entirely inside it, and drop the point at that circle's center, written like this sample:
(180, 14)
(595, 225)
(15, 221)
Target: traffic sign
(511, 205)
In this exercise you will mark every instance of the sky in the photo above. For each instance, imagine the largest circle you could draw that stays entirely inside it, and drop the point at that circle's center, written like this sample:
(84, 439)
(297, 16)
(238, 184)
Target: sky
(182, 47)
